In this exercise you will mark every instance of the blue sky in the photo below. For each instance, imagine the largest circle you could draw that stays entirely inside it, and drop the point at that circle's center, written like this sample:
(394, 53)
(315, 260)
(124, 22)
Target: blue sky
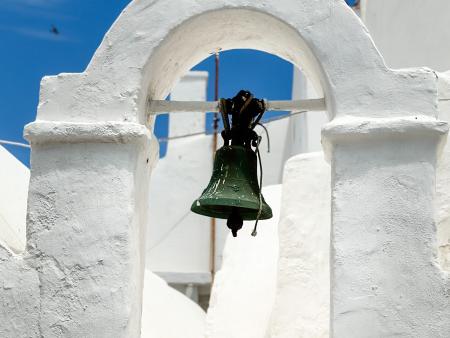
(29, 51)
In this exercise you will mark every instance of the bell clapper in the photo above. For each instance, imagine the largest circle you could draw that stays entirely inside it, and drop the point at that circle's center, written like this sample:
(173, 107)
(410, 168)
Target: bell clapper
(235, 221)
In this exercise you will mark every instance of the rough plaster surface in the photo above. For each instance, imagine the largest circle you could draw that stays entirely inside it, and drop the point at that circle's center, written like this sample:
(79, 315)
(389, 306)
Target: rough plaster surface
(386, 280)
(19, 287)
(88, 194)
(87, 205)
(244, 288)
(167, 313)
(19, 283)
(177, 239)
(153, 43)
(443, 178)
(303, 282)
(19, 297)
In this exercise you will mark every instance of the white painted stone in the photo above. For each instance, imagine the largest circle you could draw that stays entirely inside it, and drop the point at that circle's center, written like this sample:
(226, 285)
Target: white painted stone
(191, 87)
(14, 177)
(385, 276)
(443, 178)
(166, 313)
(244, 288)
(88, 194)
(178, 240)
(303, 282)
(154, 43)
(19, 297)
(410, 33)
(87, 207)
(305, 129)
(19, 283)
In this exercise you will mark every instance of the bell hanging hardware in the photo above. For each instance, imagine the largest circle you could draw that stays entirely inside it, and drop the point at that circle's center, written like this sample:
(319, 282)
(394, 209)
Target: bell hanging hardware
(233, 192)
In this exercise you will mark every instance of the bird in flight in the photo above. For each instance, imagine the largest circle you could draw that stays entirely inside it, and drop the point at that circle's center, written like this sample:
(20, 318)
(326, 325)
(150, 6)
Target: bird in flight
(54, 30)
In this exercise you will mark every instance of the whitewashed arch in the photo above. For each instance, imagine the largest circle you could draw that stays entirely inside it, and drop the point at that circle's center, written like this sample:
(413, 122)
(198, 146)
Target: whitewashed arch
(92, 156)
(154, 42)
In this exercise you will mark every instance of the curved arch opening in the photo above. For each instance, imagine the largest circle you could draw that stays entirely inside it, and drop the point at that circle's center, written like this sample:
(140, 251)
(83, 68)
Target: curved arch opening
(265, 75)
(193, 154)
(224, 30)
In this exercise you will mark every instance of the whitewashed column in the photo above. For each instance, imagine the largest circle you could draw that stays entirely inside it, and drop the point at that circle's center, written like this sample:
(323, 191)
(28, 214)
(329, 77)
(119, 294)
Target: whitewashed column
(86, 216)
(385, 277)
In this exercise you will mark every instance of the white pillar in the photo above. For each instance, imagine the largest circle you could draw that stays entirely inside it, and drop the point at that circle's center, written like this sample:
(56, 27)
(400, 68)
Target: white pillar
(443, 178)
(86, 221)
(302, 305)
(192, 87)
(385, 277)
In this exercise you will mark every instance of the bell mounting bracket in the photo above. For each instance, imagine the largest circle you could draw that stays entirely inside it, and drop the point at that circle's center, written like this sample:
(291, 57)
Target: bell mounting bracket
(246, 112)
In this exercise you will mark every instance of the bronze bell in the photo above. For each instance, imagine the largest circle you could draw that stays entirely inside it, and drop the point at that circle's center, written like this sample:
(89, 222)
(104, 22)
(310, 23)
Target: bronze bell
(233, 191)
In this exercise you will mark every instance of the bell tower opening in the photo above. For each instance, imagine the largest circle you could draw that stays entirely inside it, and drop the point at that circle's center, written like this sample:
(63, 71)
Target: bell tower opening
(179, 243)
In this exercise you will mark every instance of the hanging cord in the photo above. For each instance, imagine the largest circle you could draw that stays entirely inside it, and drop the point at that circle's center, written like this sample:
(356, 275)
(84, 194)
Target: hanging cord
(254, 232)
(267, 134)
(263, 104)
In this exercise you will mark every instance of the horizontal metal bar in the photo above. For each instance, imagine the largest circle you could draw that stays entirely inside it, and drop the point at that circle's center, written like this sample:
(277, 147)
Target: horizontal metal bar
(161, 106)
(17, 144)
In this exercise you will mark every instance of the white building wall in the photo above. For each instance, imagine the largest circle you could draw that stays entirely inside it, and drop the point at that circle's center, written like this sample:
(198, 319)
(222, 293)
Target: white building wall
(14, 177)
(191, 87)
(104, 246)
(443, 178)
(304, 129)
(416, 33)
(178, 241)
(302, 303)
(410, 33)
(244, 289)
(166, 313)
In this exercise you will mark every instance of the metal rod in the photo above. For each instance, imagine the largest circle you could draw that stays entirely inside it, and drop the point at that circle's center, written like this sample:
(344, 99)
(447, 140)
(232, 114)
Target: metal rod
(17, 144)
(212, 261)
(160, 106)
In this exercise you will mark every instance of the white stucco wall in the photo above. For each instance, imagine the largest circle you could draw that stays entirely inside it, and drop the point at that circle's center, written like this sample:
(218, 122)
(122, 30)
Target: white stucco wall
(19, 283)
(410, 33)
(88, 193)
(415, 33)
(305, 129)
(385, 275)
(14, 177)
(166, 313)
(443, 178)
(303, 283)
(178, 241)
(191, 87)
(244, 288)
(19, 297)
(19, 288)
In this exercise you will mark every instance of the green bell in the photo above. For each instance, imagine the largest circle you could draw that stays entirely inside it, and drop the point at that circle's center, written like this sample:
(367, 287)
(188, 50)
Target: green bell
(233, 192)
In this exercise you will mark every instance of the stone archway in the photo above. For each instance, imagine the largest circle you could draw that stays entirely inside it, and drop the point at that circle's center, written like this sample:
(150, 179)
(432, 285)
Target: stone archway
(92, 156)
